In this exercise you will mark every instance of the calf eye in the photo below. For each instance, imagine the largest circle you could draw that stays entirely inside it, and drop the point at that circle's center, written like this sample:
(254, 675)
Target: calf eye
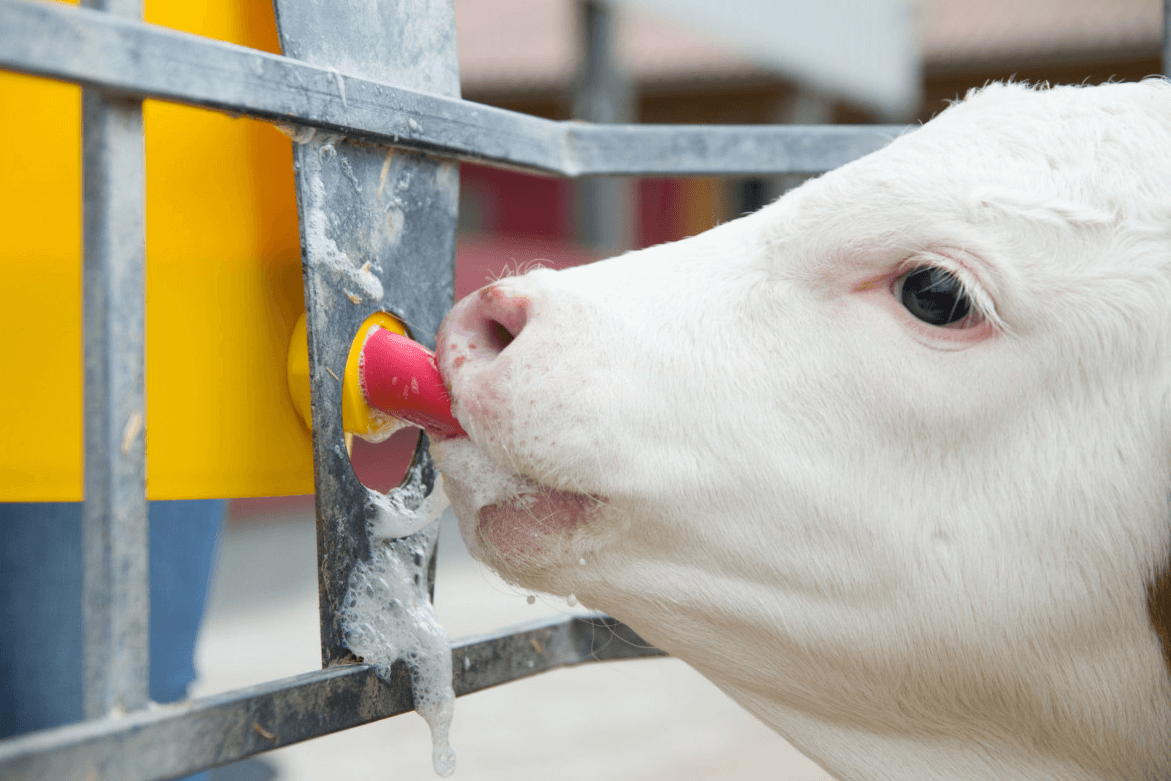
(934, 295)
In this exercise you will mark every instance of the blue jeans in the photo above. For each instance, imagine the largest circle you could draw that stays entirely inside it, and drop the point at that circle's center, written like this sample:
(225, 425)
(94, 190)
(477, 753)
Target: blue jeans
(41, 606)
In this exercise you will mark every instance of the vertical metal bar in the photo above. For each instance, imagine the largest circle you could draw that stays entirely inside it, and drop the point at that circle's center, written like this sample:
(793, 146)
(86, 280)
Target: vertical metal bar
(603, 94)
(377, 234)
(1167, 38)
(115, 532)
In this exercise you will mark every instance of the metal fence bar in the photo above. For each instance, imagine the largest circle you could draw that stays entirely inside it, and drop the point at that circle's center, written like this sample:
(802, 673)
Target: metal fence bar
(390, 212)
(603, 94)
(93, 49)
(173, 740)
(114, 526)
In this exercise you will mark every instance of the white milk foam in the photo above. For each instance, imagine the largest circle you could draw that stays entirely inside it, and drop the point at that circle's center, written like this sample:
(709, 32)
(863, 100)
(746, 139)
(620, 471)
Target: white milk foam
(388, 615)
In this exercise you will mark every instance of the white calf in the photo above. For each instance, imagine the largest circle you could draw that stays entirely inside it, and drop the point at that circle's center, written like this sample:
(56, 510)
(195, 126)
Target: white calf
(888, 460)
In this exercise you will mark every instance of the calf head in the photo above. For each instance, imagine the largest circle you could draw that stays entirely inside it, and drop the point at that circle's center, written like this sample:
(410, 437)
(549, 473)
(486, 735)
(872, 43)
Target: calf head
(888, 460)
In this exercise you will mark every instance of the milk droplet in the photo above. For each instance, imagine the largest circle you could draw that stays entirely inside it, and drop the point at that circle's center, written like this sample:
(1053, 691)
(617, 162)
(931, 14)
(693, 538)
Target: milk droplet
(572, 600)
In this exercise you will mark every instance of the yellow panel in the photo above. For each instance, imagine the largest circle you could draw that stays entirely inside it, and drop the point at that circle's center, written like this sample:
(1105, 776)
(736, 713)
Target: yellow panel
(223, 289)
(40, 292)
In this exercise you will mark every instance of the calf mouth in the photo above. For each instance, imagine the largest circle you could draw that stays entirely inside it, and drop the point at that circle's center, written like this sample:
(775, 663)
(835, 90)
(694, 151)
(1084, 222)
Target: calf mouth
(521, 529)
(513, 516)
(507, 519)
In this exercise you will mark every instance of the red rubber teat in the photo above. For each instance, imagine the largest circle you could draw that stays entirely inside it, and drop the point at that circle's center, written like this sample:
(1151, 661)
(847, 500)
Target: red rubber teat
(399, 377)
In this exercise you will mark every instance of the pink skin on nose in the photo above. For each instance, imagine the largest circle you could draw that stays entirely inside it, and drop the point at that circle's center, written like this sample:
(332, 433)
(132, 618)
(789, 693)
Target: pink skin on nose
(478, 328)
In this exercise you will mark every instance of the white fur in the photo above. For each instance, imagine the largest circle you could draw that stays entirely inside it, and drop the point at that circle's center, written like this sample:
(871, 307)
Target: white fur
(916, 552)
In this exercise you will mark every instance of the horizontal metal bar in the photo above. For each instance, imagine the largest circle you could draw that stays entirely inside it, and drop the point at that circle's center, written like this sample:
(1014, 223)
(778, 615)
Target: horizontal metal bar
(656, 150)
(170, 741)
(93, 49)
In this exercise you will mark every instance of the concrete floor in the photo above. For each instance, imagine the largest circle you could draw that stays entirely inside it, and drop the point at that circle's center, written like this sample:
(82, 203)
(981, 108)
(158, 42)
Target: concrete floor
(641, 720)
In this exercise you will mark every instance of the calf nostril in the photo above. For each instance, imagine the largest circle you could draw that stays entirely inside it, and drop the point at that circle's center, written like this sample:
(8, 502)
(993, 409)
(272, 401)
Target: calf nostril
(499, 336)
(481, 327)
(501, 317)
